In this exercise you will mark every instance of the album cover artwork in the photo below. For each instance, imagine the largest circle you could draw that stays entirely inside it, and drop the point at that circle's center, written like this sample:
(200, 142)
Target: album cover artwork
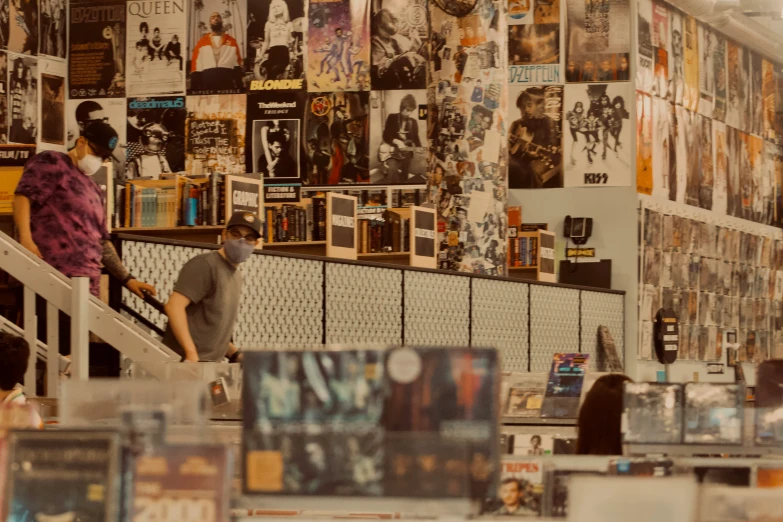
(535, 138)
(664, 182)
(660, 42)
(756, 95)
(644, 143)
(733, 190)
(53, 27)
(598, 40)
(706, 48)
(22, 19)
(534, 52)
(275, 45)
(564, 446)
(690, 99)
(769, 403)
(713, 413)
(736, 85)
(654, 413)
(166, 477)
(521, 489)
(534, 444)
(707, 167)
(216, 47)
(337, 137)
(524, 400)
(52, 116)
(155, 61)
(558, 489)
(77, 469)
(564, 386)
(719, 77)
(215, 134)
(683, 350)
(155, 137)
(645, 68)
(338, 46)
(676, 58)
(3, 97)
(720, 164)
(275, 130)
(23, 125)
(399, 153)
(96, 56)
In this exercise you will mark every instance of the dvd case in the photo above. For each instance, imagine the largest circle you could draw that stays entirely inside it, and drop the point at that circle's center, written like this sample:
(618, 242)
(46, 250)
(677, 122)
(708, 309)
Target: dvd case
(533, 444)
(564, 386)
(63, 475)
(653, 413)
(409, 422)
(525, 399)
(713, 413)
(521, 489)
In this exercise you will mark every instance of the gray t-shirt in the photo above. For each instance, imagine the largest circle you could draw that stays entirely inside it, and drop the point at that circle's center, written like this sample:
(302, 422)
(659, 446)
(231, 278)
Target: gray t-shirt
(214, 287)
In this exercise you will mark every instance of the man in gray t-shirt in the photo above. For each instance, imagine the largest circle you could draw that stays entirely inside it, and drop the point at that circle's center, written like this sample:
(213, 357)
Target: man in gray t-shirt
(203, 307)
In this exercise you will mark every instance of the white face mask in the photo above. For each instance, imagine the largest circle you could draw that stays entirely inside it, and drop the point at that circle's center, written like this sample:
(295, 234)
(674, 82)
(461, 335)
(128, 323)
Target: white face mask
(90, 164)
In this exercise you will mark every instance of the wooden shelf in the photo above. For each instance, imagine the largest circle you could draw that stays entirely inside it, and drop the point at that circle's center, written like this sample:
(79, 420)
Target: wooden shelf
(523, 268)
(122, 230)
(384, 254)
(294, 244)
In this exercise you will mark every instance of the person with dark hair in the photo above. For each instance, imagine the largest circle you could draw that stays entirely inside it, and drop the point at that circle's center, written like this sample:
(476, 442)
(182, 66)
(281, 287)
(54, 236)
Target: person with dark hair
(320, 163)
(576, 123)
(276, 161)
(533, 144)
(396, 62)
(15, 354)
(599, 425)
(400, 141)
(217, 60)
(512, 494)
(156, 45)
(535, 446)
(144, 31)
(173, 51)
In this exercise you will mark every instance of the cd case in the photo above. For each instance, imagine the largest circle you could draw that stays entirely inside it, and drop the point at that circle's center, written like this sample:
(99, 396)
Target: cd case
(564, 386)
(62, 475)
(714, 413)
(652, 413)
(408, 422)
(521, 489)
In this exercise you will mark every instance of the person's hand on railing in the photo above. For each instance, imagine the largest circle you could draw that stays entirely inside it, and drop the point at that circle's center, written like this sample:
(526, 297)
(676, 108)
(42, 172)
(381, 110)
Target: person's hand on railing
(140, 288)
(30, 245)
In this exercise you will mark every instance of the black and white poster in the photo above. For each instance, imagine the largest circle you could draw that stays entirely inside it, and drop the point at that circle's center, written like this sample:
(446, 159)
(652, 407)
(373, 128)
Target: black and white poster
(399, 32)
(54, 24)
(275, 45)
(398, 150)
(23, 99)
(603, 141)
(706, 165)
(81, 113)
(96, 59)
(756, 97)
(535, 136)
(676, 74)
(598, 40)
(645, 51)
(23, 26)
(680, 147)
(155, 136)
(733, 193)
(4, 21)
(3, 97)
(215, 135)
(737, 89)
(216, 46)
(706, 70)
(692, 129)
(663, 184)
(52, 106)
(275, 134)
(720, 77)
(337, 138)
(720, 166)
(155, 60)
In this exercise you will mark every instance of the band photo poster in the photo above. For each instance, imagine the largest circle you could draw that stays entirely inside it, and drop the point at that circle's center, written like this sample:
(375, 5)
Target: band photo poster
(601, 137)
(155, 137)
(23, 124)
(96, 57)
(216, 46)
(399, 44)
(53, 28)
(52, 104)
(338, 46)
(534, 41)
(598, 41)
(154, 50)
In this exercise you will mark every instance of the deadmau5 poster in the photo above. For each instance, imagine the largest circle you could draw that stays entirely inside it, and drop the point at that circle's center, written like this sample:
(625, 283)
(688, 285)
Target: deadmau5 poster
(156, 137)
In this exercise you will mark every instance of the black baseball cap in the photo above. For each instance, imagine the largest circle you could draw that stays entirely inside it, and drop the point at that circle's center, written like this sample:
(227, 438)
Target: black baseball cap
(102, 137)
(245, 219)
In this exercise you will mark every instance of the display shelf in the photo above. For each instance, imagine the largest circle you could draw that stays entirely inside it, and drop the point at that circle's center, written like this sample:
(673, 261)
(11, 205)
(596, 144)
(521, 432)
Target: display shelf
(419, 507)
(183, 229)
(688, 450)
(384, 254)
(293, 244)
(536, 421)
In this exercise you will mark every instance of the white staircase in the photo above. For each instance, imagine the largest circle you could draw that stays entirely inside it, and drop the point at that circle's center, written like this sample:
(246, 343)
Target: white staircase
(88, 314)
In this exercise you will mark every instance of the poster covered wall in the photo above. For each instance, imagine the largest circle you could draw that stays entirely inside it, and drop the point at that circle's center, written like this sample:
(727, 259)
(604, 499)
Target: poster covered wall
(155, 64)
(96, 58)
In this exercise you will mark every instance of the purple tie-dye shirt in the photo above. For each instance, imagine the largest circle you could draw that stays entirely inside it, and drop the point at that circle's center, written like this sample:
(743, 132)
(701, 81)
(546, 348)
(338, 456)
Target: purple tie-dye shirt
(67, 216)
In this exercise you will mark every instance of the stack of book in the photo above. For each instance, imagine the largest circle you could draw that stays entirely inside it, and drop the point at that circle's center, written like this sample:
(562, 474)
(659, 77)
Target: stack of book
(523, 251)
(296, 222)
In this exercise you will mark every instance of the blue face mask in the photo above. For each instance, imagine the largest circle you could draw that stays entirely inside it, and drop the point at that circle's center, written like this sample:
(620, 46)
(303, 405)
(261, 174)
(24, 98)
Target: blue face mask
(238, 250)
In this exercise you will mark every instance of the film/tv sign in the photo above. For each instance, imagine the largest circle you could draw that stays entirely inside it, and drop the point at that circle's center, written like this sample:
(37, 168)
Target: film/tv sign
(424, 235)
(341, 226)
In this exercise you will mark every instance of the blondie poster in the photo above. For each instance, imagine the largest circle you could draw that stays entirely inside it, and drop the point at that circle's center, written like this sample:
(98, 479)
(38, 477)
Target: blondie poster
(215, 134)
(399, 40)
(275, 135)
(156, 137)
(96, 60)
(216, 46)
(690, 97)
(644, 129)
(275, 45)
(603, 141)
(598, 40)
(535, 136)
(337, 138)
(155, 63)
(338, 46)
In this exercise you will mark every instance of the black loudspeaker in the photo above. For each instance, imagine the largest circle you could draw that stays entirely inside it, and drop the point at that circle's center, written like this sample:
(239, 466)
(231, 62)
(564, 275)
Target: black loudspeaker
(597, 274)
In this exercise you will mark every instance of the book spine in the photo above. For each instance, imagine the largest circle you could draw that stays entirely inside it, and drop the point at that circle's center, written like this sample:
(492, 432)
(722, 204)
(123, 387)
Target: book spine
(279, 225)
(309, 221)
(533, 251)
(523, 252)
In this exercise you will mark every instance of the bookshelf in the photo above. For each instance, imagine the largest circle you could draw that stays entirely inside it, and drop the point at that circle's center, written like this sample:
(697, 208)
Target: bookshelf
(531, 256)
